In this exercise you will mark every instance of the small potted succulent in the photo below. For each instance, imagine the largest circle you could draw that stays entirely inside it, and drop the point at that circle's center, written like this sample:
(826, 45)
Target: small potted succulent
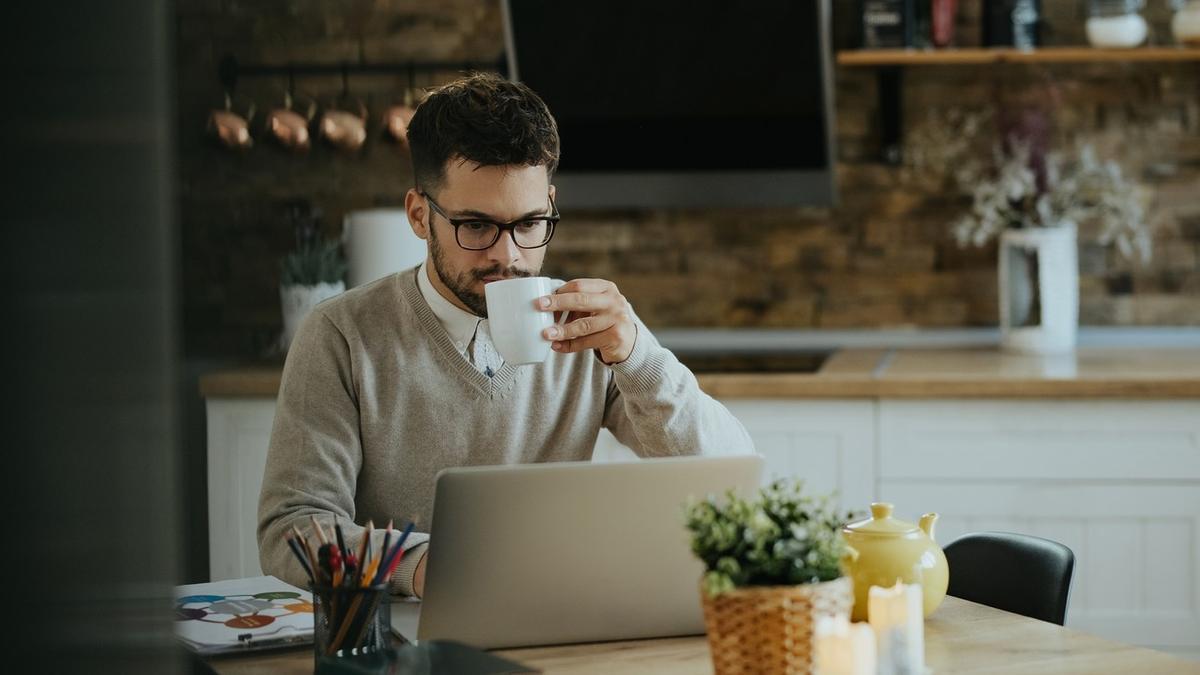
(313, 272)
(773, 566)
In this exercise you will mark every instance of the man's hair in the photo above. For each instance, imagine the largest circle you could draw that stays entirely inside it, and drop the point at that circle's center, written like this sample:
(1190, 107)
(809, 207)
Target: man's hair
(482, 118)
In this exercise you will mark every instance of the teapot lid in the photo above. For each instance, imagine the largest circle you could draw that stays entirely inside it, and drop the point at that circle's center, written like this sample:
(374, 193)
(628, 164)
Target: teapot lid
(881, 522)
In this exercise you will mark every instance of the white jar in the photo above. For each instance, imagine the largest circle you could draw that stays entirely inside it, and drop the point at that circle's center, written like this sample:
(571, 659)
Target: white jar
(1186, 24)
(1116, 24)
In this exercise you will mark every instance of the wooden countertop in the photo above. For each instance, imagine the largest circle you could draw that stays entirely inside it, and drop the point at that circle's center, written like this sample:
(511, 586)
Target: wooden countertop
(960, 637)
(978, 373)
(1096, 372)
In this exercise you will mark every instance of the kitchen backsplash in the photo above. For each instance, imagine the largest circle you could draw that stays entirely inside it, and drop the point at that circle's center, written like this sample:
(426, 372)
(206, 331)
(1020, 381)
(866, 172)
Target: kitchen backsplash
(883, 258)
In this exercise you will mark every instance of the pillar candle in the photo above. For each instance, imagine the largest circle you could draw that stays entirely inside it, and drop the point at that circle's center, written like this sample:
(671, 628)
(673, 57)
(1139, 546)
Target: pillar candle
(843, 648)
(897, 616)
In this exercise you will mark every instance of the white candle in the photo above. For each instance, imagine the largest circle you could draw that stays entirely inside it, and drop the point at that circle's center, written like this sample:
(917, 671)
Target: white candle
(897, 616)
(843, 648)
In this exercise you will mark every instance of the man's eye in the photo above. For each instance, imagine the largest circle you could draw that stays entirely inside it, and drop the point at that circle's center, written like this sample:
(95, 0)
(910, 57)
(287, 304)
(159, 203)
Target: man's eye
(530, 224)
(477, 226)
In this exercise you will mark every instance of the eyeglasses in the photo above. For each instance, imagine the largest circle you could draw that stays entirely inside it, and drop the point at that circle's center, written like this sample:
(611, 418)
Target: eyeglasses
(480, 234)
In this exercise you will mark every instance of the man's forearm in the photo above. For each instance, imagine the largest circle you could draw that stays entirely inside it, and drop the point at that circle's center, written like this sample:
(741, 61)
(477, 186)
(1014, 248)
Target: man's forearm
(278, 560)
(409, 577)
(661, 410)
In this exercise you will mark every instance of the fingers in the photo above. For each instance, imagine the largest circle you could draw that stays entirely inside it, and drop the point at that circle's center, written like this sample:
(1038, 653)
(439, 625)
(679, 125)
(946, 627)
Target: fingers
(587, 286)
(602, 341)
(581, 327)
(581, 295)
(576, 302)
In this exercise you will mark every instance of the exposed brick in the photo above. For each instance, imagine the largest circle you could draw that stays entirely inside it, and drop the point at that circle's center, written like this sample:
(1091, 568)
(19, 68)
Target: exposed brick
(883, 257)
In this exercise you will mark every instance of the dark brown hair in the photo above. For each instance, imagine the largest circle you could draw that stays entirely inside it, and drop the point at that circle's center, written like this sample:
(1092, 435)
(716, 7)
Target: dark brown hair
(485, 119)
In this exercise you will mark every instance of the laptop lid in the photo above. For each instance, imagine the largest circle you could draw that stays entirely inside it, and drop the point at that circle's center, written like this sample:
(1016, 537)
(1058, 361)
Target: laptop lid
(570, 552)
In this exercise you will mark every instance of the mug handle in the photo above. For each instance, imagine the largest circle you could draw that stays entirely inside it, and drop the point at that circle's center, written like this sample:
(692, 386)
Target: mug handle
(556, 284)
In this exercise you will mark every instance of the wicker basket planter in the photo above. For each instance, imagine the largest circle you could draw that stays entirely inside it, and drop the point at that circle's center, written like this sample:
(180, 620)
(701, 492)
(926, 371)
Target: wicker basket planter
(761, 630)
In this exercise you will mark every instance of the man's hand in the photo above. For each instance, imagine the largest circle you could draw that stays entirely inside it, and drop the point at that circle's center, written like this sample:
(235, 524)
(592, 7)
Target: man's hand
(419, 576)
(598, 318)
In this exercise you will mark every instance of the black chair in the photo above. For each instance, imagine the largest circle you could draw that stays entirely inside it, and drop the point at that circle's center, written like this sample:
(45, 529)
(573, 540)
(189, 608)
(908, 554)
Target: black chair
(1017, 573)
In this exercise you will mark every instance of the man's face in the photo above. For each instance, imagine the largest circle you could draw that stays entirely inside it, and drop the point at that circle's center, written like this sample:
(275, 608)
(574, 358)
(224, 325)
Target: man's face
(499, 193)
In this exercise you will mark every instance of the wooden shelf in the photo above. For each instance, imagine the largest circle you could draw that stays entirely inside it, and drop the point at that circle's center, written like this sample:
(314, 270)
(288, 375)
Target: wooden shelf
(950, 57)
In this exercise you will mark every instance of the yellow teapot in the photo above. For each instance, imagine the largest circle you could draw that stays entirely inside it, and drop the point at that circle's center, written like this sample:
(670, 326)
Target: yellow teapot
(883, 550)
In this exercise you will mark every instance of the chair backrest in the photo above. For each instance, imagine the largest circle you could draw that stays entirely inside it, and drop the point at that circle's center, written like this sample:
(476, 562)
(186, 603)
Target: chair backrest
(1017, 573)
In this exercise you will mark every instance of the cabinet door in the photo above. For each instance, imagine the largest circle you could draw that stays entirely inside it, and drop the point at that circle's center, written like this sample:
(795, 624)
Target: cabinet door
(829, 444)
(1117, 481)
(239, 433)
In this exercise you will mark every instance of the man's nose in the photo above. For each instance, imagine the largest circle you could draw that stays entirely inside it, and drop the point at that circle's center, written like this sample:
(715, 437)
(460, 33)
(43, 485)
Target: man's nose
(505, 250)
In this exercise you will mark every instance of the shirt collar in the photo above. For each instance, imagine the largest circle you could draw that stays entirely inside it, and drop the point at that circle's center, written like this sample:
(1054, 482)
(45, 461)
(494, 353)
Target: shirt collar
(459, 323)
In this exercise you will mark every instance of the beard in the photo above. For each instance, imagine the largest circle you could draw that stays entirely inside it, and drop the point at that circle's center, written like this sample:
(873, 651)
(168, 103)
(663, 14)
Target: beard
(462, 284)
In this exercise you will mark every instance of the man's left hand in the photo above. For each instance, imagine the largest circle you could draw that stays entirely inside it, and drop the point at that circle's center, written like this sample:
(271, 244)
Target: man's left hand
(598, 318)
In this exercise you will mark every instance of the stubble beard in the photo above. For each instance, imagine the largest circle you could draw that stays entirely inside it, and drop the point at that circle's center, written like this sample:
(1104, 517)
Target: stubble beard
(461, 284)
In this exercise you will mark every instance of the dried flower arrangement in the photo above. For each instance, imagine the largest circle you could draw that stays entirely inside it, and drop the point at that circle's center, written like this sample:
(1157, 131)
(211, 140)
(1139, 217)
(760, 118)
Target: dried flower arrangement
(1021, 185)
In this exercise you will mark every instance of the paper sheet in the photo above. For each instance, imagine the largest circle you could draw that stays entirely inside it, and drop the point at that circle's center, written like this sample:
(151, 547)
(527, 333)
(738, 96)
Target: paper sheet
(243, 614)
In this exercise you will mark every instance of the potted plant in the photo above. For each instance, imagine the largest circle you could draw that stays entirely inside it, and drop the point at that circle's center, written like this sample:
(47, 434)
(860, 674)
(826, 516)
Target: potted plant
(1036, 202)
(314, 272)
(773, 566)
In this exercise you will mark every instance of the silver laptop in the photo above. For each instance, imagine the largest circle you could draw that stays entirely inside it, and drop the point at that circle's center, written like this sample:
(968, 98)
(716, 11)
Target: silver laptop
(542, 554)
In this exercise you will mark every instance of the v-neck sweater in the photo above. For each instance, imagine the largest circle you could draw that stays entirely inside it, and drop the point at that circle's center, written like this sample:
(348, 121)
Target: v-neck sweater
(376, 399)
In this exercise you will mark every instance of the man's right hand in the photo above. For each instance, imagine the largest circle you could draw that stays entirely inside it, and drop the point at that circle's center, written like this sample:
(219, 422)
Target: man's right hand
(419, 575)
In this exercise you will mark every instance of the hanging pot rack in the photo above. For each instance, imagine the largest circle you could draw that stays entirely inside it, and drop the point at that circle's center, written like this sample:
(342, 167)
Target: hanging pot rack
(230, 69)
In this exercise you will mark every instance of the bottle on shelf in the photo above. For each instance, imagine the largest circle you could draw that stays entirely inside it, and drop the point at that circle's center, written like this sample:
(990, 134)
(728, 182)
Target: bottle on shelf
(888, 24)
(943, 13)
(1012, 23)
(1185, 25)
(1116, 23)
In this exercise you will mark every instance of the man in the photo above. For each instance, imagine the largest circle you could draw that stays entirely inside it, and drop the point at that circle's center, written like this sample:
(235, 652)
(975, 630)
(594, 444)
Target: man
(393, 381)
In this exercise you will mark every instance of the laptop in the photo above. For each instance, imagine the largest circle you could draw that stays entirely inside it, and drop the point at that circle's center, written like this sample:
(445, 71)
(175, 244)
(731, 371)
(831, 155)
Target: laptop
(560, 553)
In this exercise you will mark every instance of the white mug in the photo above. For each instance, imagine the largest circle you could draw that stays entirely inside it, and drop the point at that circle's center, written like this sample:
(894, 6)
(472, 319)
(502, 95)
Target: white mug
(517, 325)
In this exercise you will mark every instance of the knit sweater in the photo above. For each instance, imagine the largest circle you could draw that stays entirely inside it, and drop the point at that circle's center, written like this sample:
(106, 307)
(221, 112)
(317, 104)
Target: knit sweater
(376, 399)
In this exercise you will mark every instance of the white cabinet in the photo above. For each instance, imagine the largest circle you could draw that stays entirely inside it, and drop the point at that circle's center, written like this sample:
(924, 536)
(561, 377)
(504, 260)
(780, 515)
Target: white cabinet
(1117, 481)
(239, 433)
(829, 444)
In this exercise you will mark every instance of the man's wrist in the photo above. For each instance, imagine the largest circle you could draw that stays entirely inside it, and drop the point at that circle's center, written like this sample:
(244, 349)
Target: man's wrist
(645, 368)
(614, 361)
(404, 576)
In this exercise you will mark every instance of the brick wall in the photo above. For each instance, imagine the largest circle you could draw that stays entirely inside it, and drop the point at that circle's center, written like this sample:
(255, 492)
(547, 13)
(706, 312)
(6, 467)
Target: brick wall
(883, 258)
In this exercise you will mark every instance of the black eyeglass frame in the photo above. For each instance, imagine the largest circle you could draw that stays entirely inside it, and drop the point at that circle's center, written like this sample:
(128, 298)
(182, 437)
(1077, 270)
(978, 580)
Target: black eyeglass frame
(511, 226)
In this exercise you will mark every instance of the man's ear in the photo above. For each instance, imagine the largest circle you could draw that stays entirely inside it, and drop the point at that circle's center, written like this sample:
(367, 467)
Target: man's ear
(553, 192)
(414, 205)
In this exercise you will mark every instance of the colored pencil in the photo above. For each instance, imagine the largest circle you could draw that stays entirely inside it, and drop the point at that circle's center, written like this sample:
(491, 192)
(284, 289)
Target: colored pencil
(364, 552)
(320, 532)
(312, 558)
(393, 558)
(341, 540)
(295, 546)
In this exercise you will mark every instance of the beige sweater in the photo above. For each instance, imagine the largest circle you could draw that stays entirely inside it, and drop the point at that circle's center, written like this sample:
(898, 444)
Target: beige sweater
(376, 399)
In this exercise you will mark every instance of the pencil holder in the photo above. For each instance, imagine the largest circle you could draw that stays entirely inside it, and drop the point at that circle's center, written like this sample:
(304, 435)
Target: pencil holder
(350, 621)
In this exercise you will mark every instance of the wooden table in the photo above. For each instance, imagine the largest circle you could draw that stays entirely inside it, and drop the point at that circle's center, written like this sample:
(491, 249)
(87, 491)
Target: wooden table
(961, 637)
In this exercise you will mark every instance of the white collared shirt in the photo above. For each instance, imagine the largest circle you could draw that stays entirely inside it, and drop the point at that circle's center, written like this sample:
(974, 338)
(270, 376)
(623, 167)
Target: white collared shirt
(461, 325)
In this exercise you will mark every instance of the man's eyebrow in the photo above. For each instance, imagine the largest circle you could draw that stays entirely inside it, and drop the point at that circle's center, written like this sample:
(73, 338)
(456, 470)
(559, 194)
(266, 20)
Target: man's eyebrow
(471, 213)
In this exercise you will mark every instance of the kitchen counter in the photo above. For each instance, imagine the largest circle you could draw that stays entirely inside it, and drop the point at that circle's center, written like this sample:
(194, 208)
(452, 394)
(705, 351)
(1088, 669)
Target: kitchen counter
(977, 372)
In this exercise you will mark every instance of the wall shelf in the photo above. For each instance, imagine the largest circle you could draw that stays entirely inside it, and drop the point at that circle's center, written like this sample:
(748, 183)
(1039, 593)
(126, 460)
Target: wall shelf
(983, 56)
(890, 64)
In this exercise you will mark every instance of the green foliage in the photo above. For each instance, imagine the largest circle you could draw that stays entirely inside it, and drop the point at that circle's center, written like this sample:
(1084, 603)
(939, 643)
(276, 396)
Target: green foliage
(781, 538)
(313, 263)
